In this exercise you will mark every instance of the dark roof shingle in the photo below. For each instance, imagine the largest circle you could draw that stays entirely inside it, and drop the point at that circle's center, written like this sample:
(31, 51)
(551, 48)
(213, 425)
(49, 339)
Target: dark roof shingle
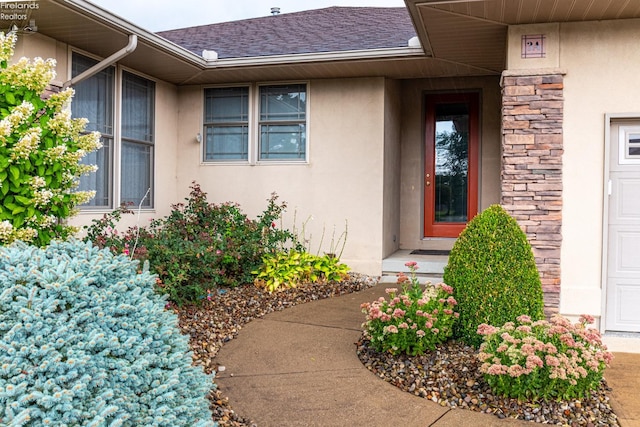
(331, 29)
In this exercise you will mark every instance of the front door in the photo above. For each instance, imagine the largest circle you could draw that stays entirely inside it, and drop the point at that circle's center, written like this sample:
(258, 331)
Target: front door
(623, 262)
(451, 163)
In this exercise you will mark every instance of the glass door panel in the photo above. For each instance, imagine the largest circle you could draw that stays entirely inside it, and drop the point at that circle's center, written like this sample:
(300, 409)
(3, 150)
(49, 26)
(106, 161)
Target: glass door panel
(451, 193)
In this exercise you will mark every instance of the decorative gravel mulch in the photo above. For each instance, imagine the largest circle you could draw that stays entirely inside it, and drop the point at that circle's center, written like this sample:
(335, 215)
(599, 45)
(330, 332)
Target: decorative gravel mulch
(447, 376)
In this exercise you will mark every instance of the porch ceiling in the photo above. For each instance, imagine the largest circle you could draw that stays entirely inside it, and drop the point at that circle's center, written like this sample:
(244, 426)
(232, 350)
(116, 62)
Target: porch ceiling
(474, 32)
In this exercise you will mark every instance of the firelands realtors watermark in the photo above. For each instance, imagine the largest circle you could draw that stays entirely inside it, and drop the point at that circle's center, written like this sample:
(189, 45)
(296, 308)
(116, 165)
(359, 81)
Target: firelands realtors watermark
(16, 12)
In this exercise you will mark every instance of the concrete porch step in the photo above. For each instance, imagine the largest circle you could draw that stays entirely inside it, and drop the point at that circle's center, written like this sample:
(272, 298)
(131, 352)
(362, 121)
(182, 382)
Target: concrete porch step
(430, 267)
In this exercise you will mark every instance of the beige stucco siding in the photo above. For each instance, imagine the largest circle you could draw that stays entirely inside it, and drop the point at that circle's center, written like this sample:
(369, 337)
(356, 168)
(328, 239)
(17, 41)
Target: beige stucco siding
(601, 61)
(391, 201)
(412, 159)
(343, 180)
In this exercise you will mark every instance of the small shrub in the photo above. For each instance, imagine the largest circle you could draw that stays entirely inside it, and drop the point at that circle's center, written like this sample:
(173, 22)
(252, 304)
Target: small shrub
(413, 321)
(493, 272)
(543, 360)
(199, 245)
(288, 269)
(85, 341)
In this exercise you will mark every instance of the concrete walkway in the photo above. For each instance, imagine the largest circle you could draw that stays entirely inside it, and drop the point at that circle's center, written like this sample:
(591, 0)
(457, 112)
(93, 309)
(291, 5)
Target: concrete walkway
(298, 367)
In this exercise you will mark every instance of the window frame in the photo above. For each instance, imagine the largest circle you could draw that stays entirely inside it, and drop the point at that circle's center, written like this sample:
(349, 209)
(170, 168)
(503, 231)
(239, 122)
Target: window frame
(254, 123)
(206, 125)
(115, 172)
(108, 141)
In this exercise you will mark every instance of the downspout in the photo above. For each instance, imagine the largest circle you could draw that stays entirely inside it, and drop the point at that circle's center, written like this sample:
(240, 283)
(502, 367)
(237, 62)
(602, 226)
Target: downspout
(130, 47)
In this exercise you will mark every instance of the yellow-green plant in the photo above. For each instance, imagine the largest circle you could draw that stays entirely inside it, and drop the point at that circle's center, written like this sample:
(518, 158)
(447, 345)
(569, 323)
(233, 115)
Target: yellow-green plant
(41, 147)
(292, 268)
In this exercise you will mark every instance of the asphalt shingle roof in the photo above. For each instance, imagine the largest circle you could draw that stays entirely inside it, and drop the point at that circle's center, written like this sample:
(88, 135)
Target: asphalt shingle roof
(331, 29)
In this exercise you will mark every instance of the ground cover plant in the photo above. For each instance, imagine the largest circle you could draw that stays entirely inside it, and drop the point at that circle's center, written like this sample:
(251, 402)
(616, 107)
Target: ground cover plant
(493, 273)
(84, 340)
(411, 321)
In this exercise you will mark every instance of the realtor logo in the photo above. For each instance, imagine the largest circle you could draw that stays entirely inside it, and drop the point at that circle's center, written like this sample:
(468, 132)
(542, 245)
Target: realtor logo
(16, 15)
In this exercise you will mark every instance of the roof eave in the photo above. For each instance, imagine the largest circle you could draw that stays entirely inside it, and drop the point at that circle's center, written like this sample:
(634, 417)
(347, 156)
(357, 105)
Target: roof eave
(129, 28)
(302, 58)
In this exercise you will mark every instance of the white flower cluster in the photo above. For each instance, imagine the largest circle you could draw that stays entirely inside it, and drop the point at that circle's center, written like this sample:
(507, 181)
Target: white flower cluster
(6, 230)
(38, 182)
(61, 123)
(27, 144)
(42, 197)
(34, 75)
(18, 116)
(60, 101)
(9, 234)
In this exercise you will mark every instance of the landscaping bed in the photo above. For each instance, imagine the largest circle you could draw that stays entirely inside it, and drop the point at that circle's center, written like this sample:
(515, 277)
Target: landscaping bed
(448, 376)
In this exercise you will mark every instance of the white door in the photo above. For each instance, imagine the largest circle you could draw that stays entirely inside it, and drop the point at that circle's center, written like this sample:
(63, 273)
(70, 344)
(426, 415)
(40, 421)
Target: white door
(623, 262)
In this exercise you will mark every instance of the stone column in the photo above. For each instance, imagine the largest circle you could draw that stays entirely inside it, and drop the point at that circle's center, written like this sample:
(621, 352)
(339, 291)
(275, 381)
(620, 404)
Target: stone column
(531, 176)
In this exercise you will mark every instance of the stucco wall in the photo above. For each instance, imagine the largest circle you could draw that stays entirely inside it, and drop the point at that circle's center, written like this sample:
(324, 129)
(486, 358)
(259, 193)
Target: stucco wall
(601, 61)
(343, 180)
(391, 200)
(412, 157)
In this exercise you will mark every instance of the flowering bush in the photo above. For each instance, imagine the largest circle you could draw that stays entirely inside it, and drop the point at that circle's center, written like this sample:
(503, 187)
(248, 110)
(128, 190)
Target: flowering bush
(199, 245)
(542, 359)
(40, 152)
(412, 321)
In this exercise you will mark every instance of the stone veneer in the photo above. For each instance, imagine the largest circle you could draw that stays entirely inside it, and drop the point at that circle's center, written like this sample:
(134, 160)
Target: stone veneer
(531, 175)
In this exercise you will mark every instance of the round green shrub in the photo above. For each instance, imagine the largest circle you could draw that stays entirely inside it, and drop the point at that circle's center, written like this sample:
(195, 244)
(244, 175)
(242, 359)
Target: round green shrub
(493, 273)
(84, 341)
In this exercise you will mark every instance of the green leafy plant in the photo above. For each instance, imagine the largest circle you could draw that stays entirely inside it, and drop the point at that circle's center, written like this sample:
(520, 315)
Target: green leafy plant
(199, 245)
(41, 148)
(541, 359)
(493, 272)
(288, 269)
(412, 321)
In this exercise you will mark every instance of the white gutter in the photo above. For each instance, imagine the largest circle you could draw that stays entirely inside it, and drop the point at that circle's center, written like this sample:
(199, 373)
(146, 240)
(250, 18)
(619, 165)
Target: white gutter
(301, 58)
(130, 47)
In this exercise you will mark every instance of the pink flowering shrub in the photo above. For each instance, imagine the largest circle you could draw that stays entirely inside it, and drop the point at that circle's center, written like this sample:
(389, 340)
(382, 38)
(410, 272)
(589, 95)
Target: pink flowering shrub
(543, 359)
(413, 320)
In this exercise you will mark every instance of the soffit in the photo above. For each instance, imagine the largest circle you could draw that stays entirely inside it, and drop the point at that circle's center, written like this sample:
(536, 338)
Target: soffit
(474, 32)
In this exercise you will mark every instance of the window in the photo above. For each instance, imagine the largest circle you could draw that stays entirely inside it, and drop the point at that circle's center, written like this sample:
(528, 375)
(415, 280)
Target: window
(629, 145)
(94, 100)
(226, 123)
(138, 98)
(280, 120)
(128, 140)
(283, 122)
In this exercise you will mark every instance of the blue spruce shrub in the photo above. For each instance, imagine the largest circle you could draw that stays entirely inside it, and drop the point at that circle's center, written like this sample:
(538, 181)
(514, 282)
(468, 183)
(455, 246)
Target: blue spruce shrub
(84, 341)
